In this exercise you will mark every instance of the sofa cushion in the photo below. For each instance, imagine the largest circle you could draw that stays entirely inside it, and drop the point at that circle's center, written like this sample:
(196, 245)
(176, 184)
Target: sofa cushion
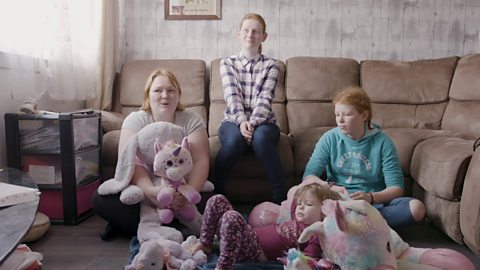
(406, 139)
(466, 82)
(439, 165)
(189, 73)
(319, 78)
(426, 116)
(408, 94)
(306, 115)
(413, 82)
(111, 121)
(463, 108)
(110, 153)
(470, 205)
(304, 142)
(311, 83)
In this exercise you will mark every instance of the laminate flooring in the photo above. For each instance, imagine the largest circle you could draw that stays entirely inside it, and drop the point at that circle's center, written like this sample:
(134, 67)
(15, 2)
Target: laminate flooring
(80, 247)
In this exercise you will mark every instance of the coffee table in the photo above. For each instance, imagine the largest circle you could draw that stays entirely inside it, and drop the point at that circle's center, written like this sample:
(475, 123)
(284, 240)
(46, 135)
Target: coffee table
(15, 220)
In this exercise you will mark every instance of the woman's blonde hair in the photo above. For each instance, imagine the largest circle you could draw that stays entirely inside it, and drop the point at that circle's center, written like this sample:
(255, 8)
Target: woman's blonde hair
(322, 192)
(258, 18)
(146, 96)
(356, 97)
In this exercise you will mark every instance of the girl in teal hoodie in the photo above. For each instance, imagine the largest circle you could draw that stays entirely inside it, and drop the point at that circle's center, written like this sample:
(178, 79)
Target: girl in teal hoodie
(361, 160)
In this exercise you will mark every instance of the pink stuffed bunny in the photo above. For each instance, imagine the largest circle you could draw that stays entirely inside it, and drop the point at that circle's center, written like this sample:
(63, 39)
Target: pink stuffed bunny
(171, 163)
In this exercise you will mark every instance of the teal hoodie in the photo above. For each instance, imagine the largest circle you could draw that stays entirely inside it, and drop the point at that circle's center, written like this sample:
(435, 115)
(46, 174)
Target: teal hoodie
(369, 164)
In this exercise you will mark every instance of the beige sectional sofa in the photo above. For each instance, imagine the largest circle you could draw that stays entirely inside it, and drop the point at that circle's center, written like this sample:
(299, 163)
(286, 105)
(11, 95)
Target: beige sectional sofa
(430, 108)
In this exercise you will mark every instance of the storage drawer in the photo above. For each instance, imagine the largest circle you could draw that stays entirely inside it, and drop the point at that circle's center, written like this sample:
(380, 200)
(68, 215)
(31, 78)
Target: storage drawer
(51, 201)
(44, 135)
(47, 169)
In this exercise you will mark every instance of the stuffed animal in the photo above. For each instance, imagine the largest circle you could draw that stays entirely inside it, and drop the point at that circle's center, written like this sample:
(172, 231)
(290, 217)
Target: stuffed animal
(172, 162)
(407, 257)
(296, 260)
(153, 253)
(199, 256)
(140, 150)
(155, 239)
(353, 235)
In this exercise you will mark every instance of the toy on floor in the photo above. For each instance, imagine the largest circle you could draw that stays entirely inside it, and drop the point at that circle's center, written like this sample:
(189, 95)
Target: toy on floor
(407, 257)
(296, 260)
(353, 235)
(152, 255)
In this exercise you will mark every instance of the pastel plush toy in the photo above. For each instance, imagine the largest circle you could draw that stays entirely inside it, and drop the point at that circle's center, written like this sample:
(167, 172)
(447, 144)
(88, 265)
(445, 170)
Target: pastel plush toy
(172, 162)
(353, 235)
(152, 255)
(407, 257)
(140, 150)
(199, 256)
(296, 260)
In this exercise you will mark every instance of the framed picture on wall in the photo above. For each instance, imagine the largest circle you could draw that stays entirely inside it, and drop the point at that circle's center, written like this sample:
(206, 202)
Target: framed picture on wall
(193, 9)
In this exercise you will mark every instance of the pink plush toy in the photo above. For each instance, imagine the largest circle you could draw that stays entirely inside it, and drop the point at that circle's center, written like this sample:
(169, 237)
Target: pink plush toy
(172, 162)
(443, 259)
(152, 253)
(141, 150)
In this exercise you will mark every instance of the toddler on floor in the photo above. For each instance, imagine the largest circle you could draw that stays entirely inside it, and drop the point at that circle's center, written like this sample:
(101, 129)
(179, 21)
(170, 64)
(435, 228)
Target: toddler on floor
(240, 242)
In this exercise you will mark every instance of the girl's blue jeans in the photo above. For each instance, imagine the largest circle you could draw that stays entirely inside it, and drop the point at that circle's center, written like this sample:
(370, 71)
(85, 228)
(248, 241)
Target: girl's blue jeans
(264, 146)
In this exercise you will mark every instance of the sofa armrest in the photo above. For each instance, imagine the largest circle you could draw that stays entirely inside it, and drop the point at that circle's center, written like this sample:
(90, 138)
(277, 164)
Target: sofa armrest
(111, 121)
(470, 205)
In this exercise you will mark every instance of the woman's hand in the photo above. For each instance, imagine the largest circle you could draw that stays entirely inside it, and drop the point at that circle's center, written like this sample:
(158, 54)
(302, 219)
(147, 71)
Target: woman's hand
(360, 195)
(152, 193)
(247, 131)
(179, 201)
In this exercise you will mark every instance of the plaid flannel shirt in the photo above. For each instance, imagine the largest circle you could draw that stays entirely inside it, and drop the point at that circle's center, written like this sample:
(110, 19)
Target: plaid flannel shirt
(249, 88)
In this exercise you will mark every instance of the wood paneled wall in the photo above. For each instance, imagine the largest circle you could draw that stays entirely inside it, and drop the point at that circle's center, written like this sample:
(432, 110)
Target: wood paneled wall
(359, 29)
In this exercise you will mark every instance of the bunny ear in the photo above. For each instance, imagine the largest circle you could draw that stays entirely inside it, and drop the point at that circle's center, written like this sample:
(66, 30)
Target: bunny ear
(157, 145)
(185, 143)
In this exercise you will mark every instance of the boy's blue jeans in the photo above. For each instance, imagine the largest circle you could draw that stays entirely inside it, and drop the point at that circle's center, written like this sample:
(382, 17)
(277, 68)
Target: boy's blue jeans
(264, 145)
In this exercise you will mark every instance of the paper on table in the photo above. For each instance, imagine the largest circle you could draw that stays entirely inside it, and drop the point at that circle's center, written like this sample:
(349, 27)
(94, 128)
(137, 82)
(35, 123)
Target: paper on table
(13, 194)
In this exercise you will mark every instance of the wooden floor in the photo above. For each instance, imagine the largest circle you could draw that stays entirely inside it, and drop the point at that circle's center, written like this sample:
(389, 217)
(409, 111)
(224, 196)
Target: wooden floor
(80, 247)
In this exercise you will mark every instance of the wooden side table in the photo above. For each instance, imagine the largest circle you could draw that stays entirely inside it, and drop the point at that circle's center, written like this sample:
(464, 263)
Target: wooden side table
(15, 220)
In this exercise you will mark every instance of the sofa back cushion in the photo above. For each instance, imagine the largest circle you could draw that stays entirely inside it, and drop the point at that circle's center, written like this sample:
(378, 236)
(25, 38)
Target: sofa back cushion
(134, 74)
(311, 83)
(463, 108)
(410, 94)
(218, 105)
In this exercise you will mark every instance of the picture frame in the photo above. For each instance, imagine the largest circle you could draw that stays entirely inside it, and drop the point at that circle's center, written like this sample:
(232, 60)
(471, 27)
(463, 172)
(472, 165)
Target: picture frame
(193, 9)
